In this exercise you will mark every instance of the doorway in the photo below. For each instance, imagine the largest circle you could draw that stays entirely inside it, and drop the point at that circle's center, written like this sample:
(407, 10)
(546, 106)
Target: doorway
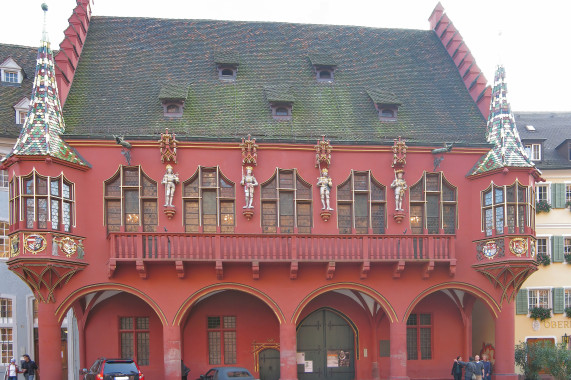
(326, 345)
(269, 360)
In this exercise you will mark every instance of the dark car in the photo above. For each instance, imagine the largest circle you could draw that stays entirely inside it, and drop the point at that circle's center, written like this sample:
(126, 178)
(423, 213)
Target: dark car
(113, 369)
(227, 373)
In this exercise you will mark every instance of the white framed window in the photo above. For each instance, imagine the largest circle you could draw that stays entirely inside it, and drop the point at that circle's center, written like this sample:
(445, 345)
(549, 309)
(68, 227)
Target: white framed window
(539, 298)
(6, 345)
(567, 298)
(11, 76)
(10, 72)
(567, 192)
(4, 180)
(4, 240)
(533, 151)
(543, 245)
(542, 193)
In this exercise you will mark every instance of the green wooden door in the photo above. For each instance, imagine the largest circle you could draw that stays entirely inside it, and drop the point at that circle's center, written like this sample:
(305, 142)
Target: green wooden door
(327, 341)
(269, 364)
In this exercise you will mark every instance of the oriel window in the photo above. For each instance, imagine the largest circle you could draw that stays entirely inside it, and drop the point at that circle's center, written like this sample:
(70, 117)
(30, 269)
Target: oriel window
(43, 202)
(507, 209)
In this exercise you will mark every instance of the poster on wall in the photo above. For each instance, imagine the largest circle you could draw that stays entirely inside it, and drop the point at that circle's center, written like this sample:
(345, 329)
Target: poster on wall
(309, 366)
(338, 358)
(300, 358)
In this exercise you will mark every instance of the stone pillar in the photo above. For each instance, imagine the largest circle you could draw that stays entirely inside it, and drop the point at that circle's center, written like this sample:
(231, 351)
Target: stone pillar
(397, 368)
(49, 331)
(504, 368)
(172, 351)
(288, 351)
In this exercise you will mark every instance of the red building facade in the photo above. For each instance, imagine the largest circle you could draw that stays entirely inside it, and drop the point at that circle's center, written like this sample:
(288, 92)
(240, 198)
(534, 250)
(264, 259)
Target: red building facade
(344, 274)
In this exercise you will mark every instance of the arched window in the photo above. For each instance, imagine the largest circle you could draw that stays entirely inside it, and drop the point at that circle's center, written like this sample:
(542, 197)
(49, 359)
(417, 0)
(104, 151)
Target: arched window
(209, 201)
(131, 201)
(47, 202)
(433, 203)
(361, 202)
(286, 203)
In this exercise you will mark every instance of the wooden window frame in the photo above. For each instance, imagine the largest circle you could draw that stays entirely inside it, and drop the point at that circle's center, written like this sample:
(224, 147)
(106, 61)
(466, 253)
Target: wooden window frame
(124, 187)
(221, 349)
(536, 295)
(506, 204)
(371, 180)
(297, 199)
(423, 203)
(221, 198)
(6, 344)
(19, 200)
(135, 330)
(418, 326)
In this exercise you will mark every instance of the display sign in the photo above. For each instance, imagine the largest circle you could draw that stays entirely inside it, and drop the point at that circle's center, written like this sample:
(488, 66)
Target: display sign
(338, 358)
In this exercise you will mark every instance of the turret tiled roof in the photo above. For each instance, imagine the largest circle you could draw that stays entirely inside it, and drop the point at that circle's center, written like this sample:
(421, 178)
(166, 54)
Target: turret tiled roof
(126, 61)
(507, 151)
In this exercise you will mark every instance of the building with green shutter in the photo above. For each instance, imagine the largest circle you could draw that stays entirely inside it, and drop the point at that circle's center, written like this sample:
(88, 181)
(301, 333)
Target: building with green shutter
(547, 138)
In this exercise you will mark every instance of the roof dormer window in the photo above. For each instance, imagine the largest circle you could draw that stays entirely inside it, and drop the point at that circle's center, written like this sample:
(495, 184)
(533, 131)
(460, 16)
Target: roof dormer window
(11, 73)
(173, 97)
(227, 73)
(281, 111)
(21, 108)
(323, 66)
(281, 101)
(386, 104)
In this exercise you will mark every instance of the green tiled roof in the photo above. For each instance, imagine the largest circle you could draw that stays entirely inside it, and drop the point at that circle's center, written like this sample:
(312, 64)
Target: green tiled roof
(228, 57)
(174, 91)
(322, 59)
(10, 95)
(126, 61)
(279, 94)
(381, 96)
(507, 151)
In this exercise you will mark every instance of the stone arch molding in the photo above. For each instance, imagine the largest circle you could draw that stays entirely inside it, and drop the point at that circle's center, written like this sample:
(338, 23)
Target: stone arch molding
(208, 290)
(81, 292)
(372, 293)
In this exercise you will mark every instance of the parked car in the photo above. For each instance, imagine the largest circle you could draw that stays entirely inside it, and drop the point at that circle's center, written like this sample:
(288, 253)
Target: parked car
(113, 369)
(227, 373)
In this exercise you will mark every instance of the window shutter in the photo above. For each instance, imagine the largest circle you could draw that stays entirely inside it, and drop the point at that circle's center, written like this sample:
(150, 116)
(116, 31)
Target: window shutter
(557, 249)
(558, 195)
(521, 302)
(558, 300)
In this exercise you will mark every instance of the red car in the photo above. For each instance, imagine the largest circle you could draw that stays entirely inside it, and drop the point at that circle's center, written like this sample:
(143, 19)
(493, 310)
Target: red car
(113, 369)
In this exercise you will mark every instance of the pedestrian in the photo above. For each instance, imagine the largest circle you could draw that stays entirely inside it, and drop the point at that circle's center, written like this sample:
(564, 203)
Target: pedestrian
(487, 367)
(457, 369)
(479, 368)
(29, 368)
(11, 371)
(470, 365)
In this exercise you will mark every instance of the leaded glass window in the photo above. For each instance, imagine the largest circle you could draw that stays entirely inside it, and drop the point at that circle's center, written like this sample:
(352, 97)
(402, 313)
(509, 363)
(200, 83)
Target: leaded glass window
(44, 204)
(221, 332)
(286, 203)
(506, 209)
(134, 337)
(130, 201)
(361, 204)
(209, 201)
(433, 205)
(419, 337)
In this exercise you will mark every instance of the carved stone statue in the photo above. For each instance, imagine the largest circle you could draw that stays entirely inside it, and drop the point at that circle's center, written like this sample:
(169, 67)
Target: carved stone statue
(325, 184)
(249, 182)
(399, 186)
(170, 179)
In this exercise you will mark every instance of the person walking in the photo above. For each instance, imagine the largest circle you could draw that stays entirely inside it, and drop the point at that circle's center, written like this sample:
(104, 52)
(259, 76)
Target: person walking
(11, 371)
(29, 368)
(457, 369)
(487, 367)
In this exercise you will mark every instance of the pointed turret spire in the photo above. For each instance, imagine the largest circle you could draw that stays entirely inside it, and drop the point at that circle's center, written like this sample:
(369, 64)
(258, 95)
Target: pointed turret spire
(507, 151)
(44, 125)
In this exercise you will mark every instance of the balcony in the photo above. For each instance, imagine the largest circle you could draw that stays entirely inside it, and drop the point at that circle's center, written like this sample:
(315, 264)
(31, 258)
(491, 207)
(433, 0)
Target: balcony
(145, 248)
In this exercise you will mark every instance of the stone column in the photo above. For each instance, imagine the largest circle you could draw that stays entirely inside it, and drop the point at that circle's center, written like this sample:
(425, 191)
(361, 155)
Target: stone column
(172, 351)
(288, 351)
(49, 331)
(397, 370)
(504, 368)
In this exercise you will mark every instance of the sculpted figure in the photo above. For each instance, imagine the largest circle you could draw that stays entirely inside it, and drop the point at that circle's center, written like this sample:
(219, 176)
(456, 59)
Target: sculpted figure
(399, 185)
(249, 182)
(324, 182)
(170, 179)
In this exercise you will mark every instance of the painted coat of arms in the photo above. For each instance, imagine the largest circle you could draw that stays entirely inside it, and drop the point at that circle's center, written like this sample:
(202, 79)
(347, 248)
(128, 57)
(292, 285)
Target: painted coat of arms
(490, 249)
(518, 246)
(35, 243)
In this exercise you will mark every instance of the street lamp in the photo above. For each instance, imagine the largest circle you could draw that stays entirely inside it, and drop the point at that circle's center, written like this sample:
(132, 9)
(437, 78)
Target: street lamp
(565, 339)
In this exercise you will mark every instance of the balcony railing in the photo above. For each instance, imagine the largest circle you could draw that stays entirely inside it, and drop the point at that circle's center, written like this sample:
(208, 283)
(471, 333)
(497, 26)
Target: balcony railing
(275, 248)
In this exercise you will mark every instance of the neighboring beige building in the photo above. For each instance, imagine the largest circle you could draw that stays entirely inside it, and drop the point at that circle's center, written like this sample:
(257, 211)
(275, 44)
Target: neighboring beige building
(547, 136)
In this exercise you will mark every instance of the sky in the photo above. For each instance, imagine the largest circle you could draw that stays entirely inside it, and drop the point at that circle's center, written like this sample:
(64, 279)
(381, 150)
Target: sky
(530, 38)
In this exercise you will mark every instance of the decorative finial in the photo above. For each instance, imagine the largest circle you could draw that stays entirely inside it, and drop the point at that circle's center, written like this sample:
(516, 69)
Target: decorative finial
(45, 31)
